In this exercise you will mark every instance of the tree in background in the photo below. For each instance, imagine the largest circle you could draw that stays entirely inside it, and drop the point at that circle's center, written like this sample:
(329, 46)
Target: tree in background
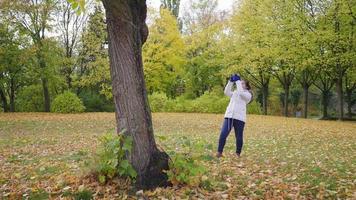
(164, 56)
(34, 18)
(306, 72)
(337, 27)
(250, 46)
(70, 25)
(350, 90)
(285, 41)
(325, 84)
(172, 6)
(13, 60)
(203, 33)
(93, 63)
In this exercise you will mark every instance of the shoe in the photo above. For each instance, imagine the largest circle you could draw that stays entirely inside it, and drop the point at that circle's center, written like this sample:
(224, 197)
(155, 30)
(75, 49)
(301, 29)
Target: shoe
(238, 155)
(219, 155)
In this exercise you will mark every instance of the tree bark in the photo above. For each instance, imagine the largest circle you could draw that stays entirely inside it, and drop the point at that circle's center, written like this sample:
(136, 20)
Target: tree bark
(305, 100)
(340, 98)
(47, 101)
(325, 103)
(264, 98)
(349, 103)
(127, 31)
(12, 95)
(4, 100)
(286, 97)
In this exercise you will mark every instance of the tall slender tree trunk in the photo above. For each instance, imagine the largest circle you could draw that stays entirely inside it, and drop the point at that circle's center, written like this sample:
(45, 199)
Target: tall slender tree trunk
(12, 95)
(4, 100)
(349, 103)
(264, 98)
(44, 80)
(127, 31)
(325, 103)
(305, 100)
(69, 81)
(47, 101)
(340, 98)
(286, 97)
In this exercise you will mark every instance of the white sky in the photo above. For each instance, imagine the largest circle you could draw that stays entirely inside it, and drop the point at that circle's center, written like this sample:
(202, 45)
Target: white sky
(223, 4)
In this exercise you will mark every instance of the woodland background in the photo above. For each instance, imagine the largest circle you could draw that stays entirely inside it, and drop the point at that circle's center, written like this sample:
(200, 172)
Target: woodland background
(299, 56)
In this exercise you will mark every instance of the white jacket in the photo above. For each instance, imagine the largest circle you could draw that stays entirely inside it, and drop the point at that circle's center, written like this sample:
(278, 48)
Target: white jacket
(239, 98)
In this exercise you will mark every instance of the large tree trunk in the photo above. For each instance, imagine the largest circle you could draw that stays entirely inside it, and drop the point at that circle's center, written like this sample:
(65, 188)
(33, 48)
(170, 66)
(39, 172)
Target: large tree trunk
(305, 100)
(127, 31)
(340, 98)
(264, 98)
(4, 100)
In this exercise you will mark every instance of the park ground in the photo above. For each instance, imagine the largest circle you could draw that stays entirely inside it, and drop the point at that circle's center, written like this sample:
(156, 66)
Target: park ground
(43, 156)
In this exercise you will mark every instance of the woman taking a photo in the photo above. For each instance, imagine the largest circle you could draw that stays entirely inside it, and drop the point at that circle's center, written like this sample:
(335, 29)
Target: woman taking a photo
(235, 114)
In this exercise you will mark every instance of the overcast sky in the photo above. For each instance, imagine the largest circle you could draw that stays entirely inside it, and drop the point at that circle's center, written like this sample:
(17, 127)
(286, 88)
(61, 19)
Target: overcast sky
(223, 4)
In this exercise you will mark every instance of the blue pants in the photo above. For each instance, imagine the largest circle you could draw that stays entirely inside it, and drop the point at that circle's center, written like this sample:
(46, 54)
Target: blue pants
(225, 130)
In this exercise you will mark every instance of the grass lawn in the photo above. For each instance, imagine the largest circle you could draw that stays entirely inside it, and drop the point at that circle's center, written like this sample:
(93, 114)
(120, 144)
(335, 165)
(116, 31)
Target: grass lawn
(43, 155)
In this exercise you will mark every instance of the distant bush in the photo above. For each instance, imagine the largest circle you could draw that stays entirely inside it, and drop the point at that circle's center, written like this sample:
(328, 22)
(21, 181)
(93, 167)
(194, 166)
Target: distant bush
(158, 102)
(67, 102)
(30, 99)
(207, 103)
(95, 102)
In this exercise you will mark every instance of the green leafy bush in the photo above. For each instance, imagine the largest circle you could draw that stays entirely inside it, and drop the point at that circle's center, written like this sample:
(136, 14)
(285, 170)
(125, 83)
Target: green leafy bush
(95, 102)
(158, 101)
(110, 161)
(67, 102)
(30, 99)
(207, 103)
(184, 170)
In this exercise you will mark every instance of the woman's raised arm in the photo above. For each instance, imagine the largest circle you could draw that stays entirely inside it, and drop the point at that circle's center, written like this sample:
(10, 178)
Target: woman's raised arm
(228, 88)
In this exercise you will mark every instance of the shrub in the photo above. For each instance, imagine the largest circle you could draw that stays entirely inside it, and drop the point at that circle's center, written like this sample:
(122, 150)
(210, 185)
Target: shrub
(30, 99)
(158, 101)
(184, 170)
(67, 102)
(109, 160)
(254, 108)
(95, 102)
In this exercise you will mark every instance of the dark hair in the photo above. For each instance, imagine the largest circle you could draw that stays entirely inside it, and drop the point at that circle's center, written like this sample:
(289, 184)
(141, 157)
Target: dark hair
(248, 87)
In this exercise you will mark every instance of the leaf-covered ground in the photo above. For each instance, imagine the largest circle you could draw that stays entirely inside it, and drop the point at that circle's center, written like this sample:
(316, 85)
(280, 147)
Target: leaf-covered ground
(42, 156)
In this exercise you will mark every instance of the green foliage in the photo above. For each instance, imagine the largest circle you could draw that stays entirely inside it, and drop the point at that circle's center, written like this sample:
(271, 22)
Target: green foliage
(30, 99)
(184, 170)
(163, 55)
(67, 102)
(93, 56)
(210, 102)
(254, 108)
(83, 195)
(110, 158)
(158, 101)
(94, 102)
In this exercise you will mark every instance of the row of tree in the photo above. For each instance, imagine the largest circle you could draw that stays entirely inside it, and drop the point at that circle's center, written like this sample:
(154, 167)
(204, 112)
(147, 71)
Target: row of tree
(309, 43)
(51, 45)
(299, 43)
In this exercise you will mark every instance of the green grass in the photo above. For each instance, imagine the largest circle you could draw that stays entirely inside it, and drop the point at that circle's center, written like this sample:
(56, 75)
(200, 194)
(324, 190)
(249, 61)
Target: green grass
(286, 158)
